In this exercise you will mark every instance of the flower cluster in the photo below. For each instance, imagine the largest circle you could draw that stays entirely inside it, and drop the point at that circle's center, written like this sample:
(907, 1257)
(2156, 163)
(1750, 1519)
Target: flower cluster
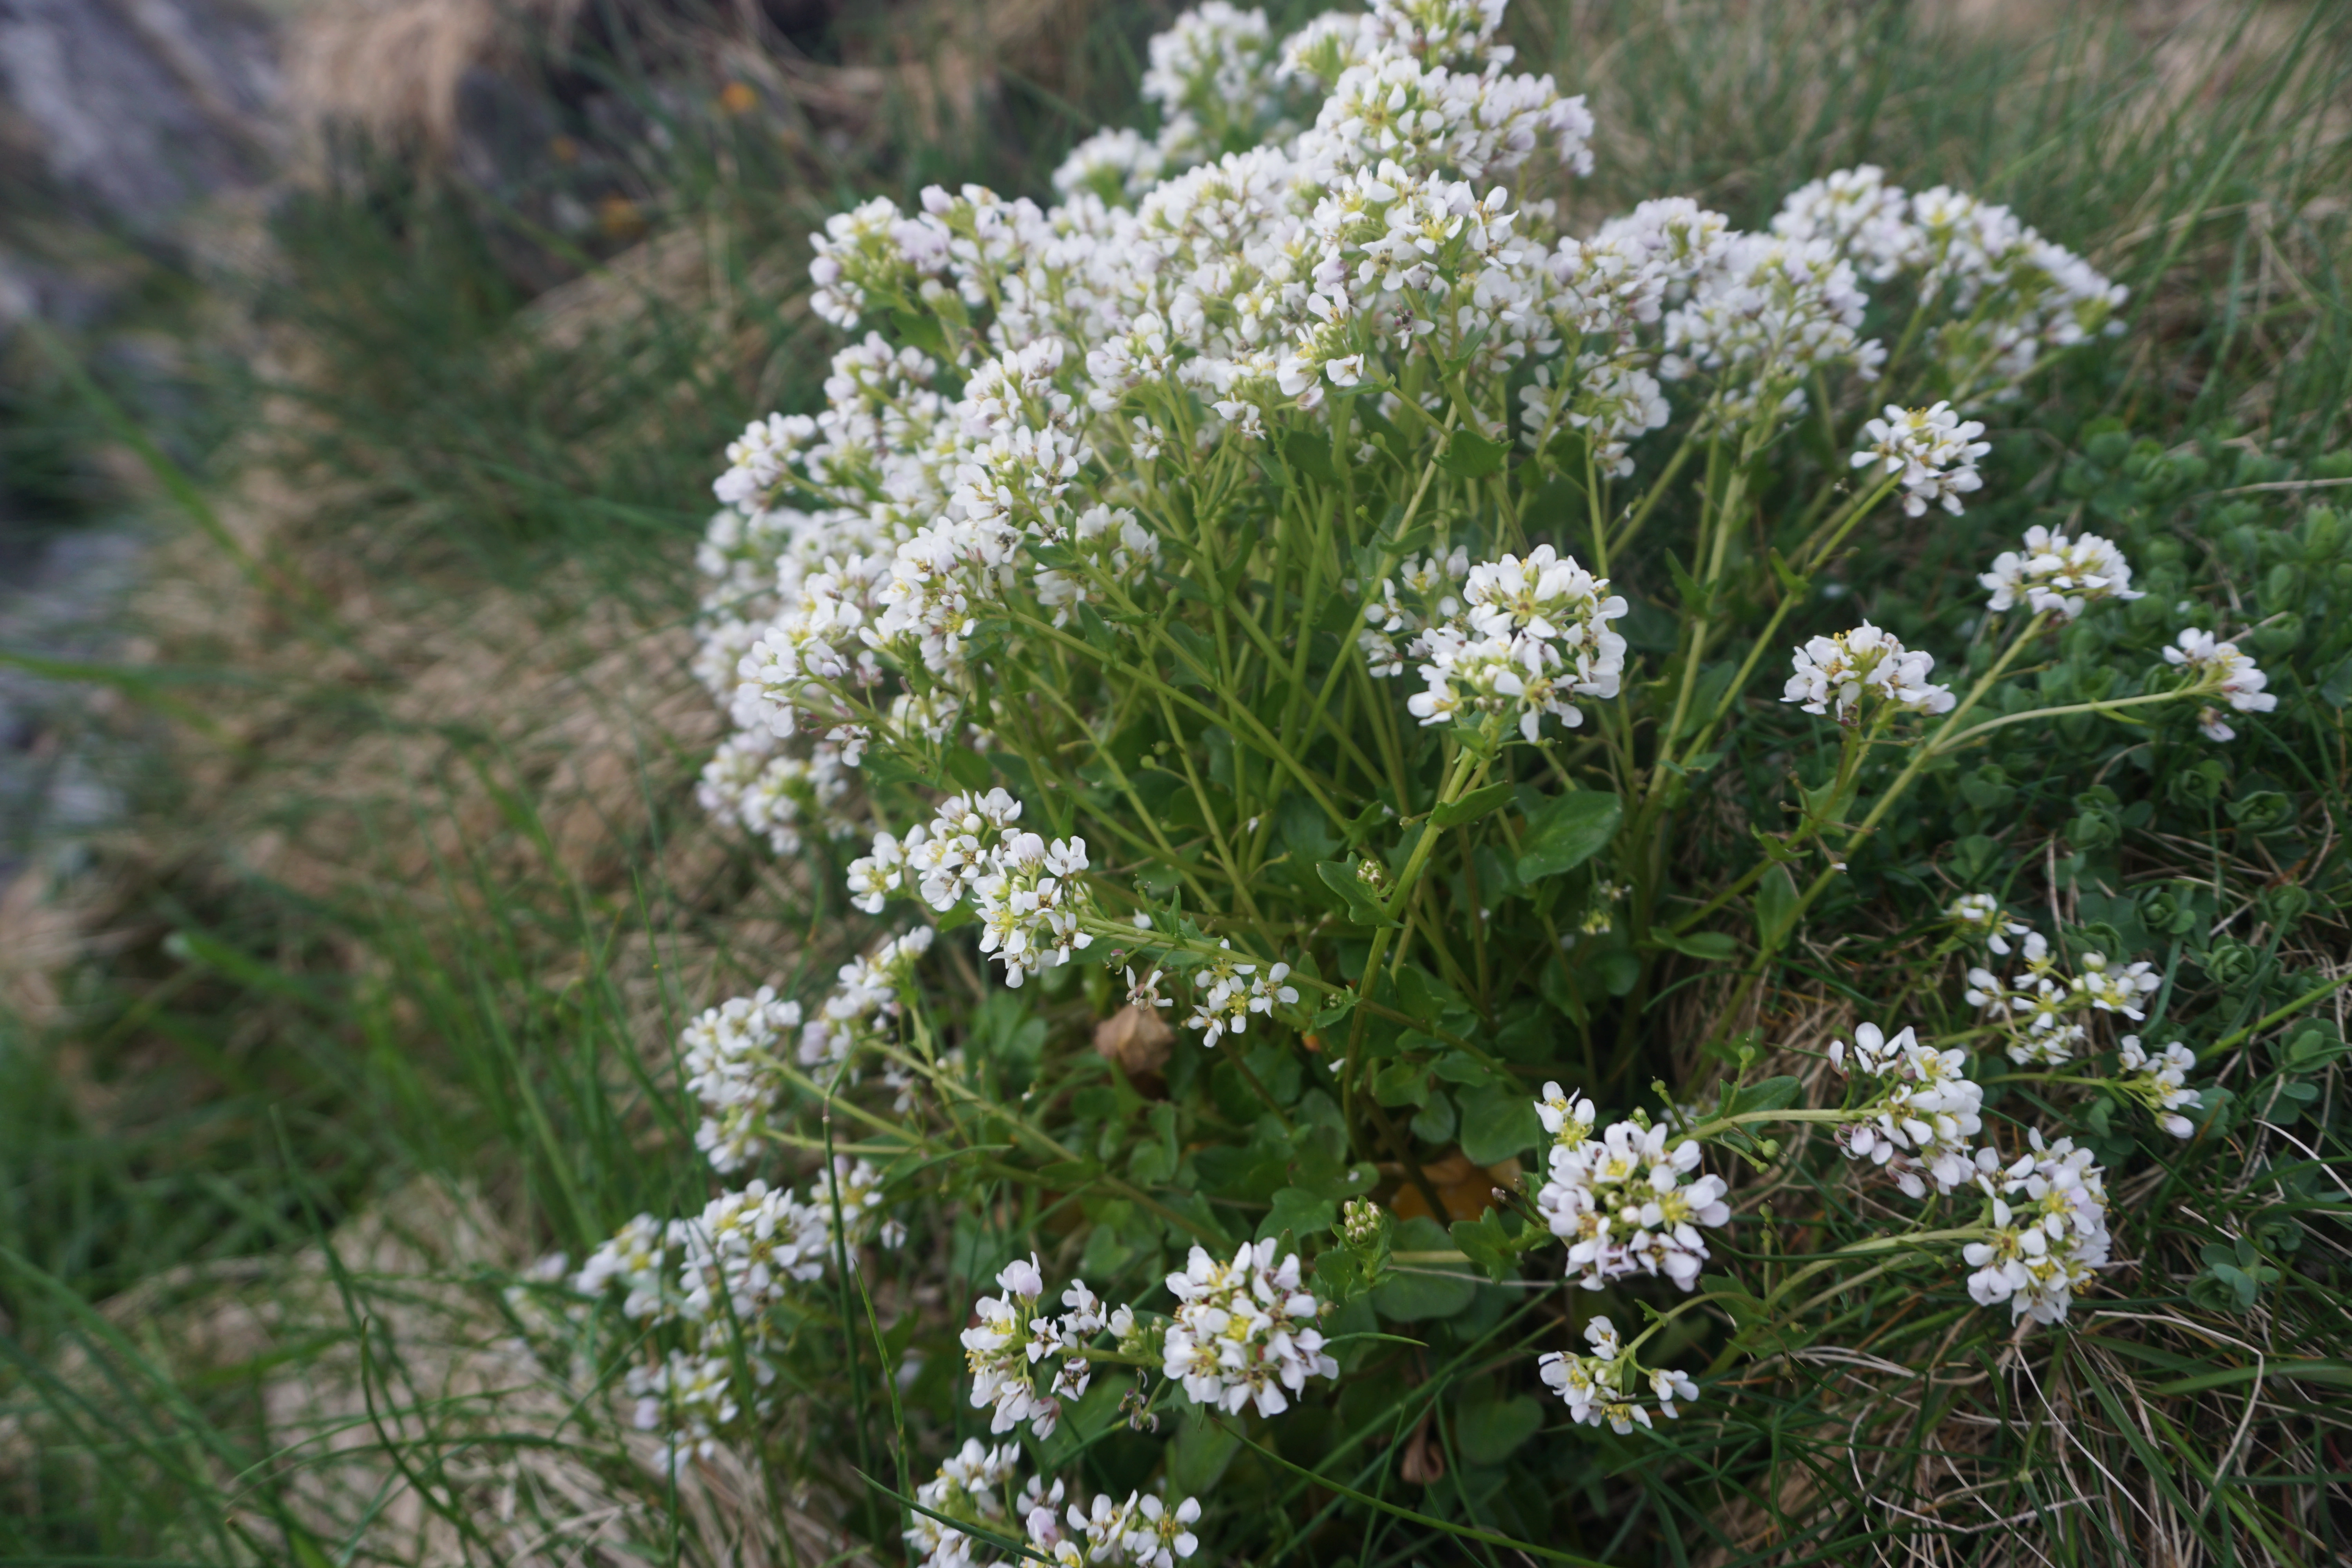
(1025, 890)
(2160, 1082)
(1917, 1110)
(1530, 637)
(1930, 451)
(2217, 669)
(717, 1277)
(2042, 1009)
(971, 1486)
(974, 1487)
(1143, 1532)
(1626, 1202)
(2049, 1219)
(2056, 574)
(1603, 1388)
(1228, 990)
(1009, 1337)
(1245, 1331)
(1316, 220)
(2009, 292)
(734, 1054)
(1866, 667)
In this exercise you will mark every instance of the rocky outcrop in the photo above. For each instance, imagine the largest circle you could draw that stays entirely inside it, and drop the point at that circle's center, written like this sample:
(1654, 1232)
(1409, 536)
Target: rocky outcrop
(136, 108)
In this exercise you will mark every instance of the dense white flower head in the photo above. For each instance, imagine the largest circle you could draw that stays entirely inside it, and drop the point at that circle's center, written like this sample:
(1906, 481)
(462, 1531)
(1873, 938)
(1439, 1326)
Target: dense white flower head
(2160, 1081)
(1917, 1112)
(1531, 636)
(733, 1059)
(1932, 451)
(2049, 1214)
(2219, 668)
(1010, 1339)
(2057, 574)
(1605, 1388)
(1863, 668)
(970, 1486)
(1025, 890)
(1245, 1331)
(1630, 1202)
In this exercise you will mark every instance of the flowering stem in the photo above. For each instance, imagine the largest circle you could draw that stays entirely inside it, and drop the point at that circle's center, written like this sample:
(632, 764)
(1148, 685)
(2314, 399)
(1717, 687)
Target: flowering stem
(1467, 766)
(1920, 758)
(2145, 698)
(1656, 492)
(1706, 1129)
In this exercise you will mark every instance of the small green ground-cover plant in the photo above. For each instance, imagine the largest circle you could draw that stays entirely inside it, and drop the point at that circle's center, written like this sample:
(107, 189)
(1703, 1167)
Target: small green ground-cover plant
(1387, 660)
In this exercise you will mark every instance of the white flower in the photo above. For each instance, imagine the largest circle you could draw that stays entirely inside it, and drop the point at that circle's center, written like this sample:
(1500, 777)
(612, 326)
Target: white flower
(2057, 574)
(1009, 1337)
(2049, 1214)
(2160, 1082)
(1917, 1114)
(1245, 1331)
(2219, 668)
(1567, 1117)
(1532, 634)
(1627, 1204)
(1864, 665)
(1980, 916)
(2116, 991)
(1603, 1388)
(1933, 451)
(1228, 990)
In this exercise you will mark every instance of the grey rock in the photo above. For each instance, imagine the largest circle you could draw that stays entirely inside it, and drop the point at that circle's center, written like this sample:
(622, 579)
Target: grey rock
(138, 108)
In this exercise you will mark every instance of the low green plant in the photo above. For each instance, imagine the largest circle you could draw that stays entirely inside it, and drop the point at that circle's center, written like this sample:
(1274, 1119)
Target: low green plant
(1095, 587)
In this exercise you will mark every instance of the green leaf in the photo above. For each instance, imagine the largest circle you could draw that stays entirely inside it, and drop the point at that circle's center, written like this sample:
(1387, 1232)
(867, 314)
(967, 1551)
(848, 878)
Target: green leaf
(1473, 806)
(1713, 946)
(1694, 598)
(1567, 830)
(1462, 1068)
(1363, 907)
(1766, 1094)
(1498, 1123)
(1487, 1243)
(1470, 455)
(1311, 455)
(1776, 907)
(969, 768)
(1402, 1083)
(1299, 1211)
(1198, 1458)
(1489, 1432)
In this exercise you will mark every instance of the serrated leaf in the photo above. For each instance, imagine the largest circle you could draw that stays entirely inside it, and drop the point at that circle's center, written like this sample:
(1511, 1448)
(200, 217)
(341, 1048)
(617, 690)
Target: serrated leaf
(1299, 1211)
(1473, 806)
(1567, 830)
